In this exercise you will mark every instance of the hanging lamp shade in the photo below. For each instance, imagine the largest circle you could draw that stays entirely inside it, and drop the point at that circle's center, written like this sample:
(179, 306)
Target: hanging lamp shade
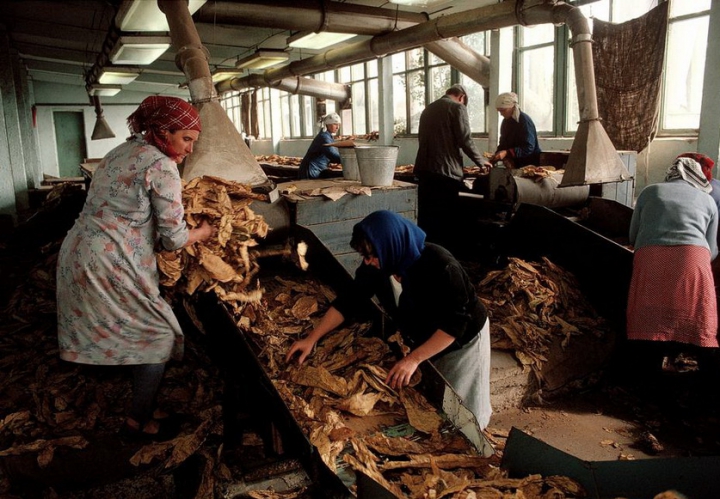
(102, 130)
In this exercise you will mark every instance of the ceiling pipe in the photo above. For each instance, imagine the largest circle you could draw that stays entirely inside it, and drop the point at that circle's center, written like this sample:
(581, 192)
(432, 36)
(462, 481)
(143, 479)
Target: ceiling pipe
(297, 85)
(220, 150)
(309, 16)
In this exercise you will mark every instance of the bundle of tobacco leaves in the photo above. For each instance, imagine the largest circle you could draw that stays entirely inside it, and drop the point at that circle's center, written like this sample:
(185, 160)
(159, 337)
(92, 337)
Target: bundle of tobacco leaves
(532, 304)
(222, 264)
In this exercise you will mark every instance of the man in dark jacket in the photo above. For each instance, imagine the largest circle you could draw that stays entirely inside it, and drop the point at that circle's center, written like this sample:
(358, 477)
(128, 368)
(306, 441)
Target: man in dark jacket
(443, 135)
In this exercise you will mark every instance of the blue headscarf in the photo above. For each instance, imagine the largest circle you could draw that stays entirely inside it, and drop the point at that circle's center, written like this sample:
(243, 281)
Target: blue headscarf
(397, 241)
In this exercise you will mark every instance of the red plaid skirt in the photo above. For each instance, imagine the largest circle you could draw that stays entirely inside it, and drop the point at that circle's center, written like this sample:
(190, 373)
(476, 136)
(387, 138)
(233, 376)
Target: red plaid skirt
(672, 296)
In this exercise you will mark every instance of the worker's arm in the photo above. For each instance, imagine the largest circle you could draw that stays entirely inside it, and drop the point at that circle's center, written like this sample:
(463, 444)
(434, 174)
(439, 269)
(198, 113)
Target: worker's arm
(332, 319)
(403, 370)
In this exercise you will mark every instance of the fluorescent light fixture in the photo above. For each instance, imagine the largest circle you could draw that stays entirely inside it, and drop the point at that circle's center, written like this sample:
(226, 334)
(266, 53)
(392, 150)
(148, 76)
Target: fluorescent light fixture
(118, 75)
(104, 90)
(139, 49)
(262, 58)
(145, 15)
(317, 40)
(226, 74)
(418, 3)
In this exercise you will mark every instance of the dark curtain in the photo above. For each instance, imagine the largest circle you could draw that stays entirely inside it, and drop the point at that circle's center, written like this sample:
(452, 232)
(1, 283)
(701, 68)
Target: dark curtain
(628, 61)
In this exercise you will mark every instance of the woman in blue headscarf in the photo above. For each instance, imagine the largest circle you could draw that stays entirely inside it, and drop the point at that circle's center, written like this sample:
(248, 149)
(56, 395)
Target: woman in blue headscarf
(435, 306)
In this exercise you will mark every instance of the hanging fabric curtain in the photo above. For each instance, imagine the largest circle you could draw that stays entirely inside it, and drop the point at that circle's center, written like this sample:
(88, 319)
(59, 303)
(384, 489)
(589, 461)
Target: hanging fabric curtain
(628, 61)
(245, 110)
(254, 126)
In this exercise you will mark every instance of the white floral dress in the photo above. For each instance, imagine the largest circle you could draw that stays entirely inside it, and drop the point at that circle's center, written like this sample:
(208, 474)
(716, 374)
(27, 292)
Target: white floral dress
(110, 311)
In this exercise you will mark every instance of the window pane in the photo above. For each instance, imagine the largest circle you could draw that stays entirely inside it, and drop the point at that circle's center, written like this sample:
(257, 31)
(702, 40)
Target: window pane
(416, 84)
(687, 41)
(308, 116)
(536, 86)
(295, 116)
(344, 75)
(476, 104)
(329, 107)
(439, 82)
(357, 71)
(624, 11)
(399, 104)
(598, 10)
(415, 58)
(373, 105)
(680, 8)
(538, 34)
(476, 41)
(398, 62)
(434, 60)
(285, 116)
(358, 93)
(372, 68)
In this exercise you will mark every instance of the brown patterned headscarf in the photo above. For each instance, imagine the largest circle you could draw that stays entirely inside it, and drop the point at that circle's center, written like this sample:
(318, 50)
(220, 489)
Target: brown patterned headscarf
(157, 113)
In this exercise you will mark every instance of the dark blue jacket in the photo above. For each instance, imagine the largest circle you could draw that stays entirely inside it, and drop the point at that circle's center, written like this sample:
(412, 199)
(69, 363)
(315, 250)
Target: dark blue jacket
(520, 138)
(318, 156)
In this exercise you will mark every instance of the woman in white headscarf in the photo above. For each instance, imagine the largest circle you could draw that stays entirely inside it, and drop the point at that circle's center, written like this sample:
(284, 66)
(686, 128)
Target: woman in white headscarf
(673, 230)
(321, 153)
(518, 145)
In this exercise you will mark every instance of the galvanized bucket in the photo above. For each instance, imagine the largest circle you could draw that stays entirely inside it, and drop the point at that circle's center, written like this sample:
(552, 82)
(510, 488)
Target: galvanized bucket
(376, 164)
(349, 163)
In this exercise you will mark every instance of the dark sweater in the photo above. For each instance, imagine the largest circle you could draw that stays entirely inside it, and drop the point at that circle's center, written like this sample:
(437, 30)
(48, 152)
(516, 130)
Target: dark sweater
(437, 294)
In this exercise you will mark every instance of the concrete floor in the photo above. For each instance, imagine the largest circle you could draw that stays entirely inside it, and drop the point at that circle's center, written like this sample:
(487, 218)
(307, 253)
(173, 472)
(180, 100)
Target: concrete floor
(611, 418)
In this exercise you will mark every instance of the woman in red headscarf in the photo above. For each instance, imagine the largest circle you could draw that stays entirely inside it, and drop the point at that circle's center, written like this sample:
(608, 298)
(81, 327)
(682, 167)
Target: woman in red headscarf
(110, 311)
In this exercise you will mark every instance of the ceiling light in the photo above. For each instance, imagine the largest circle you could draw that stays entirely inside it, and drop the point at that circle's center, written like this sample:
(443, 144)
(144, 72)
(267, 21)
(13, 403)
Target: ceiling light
(145, 15)
(262, 58)
(417, 3)
(139, 49)
(104, 90)
(317, 40)
(118, 75)
(226, 74)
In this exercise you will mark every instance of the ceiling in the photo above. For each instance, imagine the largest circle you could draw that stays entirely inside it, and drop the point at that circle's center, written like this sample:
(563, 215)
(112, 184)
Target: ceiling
(59, 40)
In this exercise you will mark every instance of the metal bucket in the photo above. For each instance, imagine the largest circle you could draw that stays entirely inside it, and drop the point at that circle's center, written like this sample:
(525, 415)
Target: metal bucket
(376, 164)
(349, 163)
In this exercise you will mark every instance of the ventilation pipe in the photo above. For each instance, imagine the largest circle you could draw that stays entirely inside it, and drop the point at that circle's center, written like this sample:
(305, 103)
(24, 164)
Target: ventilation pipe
(297, 85)
(220, 151)
(593, 159)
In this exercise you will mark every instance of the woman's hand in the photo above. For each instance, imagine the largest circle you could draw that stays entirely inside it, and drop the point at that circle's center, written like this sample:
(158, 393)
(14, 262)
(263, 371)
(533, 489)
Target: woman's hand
(498, 156)
(401, 372)
(201, 233)
(302, 347)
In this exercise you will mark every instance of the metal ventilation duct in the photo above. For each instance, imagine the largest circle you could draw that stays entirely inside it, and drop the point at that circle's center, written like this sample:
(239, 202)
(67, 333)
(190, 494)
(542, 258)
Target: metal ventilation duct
(220, 151)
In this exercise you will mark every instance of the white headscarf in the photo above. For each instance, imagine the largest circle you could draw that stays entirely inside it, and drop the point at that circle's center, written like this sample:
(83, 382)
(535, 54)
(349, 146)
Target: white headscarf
(332, 119)
(509, 100)
(690, 171)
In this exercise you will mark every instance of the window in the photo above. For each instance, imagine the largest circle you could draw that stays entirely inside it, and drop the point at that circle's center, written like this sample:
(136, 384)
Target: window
(264, 113)
(684, 61)
(297, 116)
(409, 89)
(232, 106)
(476, 93)
(363, 81)
(536, 83)
(684, 65)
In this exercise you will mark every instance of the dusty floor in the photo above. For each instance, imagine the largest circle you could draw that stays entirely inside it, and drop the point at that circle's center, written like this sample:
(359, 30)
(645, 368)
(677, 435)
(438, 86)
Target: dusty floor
(671, 414)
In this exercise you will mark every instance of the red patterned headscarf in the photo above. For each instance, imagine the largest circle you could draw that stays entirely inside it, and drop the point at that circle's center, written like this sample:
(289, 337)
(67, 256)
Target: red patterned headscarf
(706, 164)
(157, 113)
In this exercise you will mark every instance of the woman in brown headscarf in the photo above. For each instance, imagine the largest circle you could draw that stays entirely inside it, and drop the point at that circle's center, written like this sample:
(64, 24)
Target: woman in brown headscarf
(110, 311)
